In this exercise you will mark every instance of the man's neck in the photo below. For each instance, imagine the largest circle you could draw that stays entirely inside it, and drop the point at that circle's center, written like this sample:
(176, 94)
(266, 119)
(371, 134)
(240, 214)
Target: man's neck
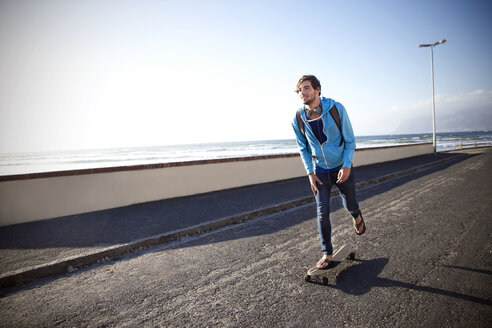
(315, 103)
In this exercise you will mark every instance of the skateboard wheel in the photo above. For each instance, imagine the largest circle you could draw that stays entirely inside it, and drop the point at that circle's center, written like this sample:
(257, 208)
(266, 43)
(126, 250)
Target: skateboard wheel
(307, 278)
(324, 281)
(352, 256)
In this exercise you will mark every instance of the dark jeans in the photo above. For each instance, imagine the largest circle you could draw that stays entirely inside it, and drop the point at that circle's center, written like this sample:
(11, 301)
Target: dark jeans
(347, 193)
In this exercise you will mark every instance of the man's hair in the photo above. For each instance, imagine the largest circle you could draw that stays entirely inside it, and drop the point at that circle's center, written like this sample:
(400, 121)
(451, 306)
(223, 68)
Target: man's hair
(314, 82)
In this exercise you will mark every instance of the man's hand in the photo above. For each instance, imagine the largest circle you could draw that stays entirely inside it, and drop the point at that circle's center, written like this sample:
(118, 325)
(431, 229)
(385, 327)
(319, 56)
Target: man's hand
(343, 174)
(313, 179)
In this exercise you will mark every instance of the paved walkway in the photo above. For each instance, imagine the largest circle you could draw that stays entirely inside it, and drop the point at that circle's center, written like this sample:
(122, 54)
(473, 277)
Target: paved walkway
(424, 261)
(33, 250)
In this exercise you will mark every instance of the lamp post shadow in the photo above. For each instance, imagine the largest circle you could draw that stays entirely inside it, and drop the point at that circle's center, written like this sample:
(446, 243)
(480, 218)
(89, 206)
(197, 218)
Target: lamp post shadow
(360, 278)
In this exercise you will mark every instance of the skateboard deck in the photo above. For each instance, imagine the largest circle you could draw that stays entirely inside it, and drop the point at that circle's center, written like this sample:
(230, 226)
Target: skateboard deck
(343, 253)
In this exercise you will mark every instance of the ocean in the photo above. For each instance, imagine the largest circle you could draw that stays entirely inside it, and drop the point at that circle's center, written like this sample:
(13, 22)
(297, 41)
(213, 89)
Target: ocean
(21, 163)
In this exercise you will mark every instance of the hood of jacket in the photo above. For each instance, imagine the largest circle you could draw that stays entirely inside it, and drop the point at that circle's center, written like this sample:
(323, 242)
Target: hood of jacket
(326, 104)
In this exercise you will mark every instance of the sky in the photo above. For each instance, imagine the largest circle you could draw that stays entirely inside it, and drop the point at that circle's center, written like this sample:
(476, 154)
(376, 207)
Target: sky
(102, 74)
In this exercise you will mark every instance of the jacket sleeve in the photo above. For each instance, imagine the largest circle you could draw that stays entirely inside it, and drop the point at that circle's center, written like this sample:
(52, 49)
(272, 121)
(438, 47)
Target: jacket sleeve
(301, 141)
(348, 137)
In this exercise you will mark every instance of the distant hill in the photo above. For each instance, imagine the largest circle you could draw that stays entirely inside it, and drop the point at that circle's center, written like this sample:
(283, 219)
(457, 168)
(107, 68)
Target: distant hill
(471, 119)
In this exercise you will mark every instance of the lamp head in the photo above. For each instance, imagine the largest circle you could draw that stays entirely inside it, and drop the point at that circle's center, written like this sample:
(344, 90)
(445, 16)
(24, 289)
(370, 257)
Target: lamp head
(431, 45)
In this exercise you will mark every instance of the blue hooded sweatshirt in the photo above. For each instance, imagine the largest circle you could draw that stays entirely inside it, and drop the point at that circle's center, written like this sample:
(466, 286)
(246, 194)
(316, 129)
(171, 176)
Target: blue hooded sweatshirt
(330, 154)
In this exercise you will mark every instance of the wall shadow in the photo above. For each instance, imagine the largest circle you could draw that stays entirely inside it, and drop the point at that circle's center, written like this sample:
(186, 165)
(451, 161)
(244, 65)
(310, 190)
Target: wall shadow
(135, 222)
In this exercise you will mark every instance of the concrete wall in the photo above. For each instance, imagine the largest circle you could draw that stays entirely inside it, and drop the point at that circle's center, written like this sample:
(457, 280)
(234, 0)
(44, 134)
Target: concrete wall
(31, 197)
(368, 156)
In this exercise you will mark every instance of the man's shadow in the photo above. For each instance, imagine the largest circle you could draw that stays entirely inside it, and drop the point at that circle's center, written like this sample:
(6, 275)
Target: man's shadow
(360, 278)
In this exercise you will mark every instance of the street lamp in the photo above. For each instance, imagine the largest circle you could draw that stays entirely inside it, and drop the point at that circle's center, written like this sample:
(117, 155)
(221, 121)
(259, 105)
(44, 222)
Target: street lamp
(432, 79)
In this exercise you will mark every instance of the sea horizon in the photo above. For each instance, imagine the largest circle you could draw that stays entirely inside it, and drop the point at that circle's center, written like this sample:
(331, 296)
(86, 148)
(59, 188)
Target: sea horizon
(61, 160)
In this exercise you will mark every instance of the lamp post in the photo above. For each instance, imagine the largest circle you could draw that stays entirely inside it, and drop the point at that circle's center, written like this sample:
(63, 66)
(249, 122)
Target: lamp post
(432, 79)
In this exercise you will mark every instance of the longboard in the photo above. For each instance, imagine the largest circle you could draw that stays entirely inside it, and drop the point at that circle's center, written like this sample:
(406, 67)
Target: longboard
(343, 253)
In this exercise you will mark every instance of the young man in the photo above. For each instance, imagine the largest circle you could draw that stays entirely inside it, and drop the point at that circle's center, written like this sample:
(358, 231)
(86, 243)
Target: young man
(327, 155)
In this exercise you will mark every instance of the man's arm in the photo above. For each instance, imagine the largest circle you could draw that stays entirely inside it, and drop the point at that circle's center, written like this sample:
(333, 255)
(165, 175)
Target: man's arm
(301, 141)
(348, 137)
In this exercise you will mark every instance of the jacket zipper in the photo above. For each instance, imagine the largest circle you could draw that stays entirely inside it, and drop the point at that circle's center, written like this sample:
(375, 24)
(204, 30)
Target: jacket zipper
(321, 146)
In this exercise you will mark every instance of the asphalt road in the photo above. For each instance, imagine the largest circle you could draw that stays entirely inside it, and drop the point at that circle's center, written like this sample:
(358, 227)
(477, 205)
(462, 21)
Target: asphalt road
(425, 261)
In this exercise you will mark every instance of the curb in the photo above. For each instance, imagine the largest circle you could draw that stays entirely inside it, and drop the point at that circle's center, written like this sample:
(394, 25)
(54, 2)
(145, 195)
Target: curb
(26, 275)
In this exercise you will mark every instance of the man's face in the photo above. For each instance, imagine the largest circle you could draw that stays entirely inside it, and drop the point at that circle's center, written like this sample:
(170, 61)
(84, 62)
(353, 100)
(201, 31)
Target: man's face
(307, 93)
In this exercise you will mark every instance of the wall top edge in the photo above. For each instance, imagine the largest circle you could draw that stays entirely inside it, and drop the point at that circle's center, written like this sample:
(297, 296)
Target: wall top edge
(52, 174)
